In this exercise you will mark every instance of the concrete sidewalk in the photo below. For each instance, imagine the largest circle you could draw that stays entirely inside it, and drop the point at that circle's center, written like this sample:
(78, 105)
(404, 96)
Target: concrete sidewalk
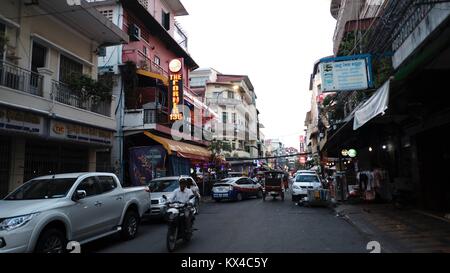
(398, 230)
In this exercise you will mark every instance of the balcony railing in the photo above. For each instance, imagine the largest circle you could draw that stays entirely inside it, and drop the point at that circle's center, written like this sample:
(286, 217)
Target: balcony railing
(143, 62)
(397, 21)
(17, 78)
(63, 94)
(152, 116)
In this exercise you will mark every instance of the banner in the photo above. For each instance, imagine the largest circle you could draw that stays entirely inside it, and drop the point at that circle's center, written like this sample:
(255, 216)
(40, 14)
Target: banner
(146, 163)
(376, 105)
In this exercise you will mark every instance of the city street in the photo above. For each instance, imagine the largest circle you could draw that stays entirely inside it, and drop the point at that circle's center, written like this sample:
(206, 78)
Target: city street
(250, 226)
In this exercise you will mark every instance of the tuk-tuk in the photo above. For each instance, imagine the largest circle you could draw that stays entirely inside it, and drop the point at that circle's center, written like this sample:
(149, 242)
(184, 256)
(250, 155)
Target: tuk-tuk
(274, 184)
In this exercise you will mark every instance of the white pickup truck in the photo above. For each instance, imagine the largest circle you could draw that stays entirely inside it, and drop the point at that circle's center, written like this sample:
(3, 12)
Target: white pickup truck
(47, 212)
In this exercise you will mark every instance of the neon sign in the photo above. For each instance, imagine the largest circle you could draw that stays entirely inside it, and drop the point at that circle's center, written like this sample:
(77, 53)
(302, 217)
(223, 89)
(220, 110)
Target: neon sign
(176, 88)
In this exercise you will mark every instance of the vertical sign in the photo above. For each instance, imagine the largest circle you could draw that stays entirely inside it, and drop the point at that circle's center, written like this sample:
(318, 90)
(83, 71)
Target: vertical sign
(176, 88)
(302, 144)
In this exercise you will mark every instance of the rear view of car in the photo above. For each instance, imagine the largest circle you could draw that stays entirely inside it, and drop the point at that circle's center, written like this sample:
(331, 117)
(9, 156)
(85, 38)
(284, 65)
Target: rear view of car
(302, 183)
(236, 188)
(223, 190)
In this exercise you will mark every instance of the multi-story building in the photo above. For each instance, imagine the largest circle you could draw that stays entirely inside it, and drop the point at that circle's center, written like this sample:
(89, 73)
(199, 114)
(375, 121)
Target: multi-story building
(398, 128)
(147, 94)
(233, 99)
(54, 115)
(353, 17)
(274, 148)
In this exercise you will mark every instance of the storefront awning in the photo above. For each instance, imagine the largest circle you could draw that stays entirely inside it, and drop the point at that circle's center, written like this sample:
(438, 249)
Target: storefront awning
(181, 149)
(376, 105)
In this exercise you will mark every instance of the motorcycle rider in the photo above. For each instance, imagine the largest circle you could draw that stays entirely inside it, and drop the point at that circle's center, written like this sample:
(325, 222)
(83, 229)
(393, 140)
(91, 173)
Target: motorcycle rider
(182, 195)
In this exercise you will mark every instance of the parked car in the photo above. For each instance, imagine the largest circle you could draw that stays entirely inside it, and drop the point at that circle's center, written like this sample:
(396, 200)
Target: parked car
(303, 182)
(236, 188)
(166, 186)
(46, 212)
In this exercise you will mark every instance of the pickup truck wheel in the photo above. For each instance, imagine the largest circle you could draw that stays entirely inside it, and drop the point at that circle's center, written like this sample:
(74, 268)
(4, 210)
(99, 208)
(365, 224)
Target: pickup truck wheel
(51, 241)
(130, 225)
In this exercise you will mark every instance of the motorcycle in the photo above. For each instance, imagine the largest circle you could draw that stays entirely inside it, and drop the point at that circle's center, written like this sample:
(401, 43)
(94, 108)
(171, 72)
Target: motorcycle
(177, 228)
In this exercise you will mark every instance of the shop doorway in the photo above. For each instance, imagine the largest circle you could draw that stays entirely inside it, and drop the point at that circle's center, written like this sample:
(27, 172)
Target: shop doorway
(5, 160)
(43, 158)
(434, 159)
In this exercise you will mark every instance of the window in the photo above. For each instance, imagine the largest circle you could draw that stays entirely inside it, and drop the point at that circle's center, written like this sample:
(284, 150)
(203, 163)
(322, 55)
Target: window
(224, 117)
(165, 20)
(42, 189)
(233, 118)
(90, 185)
(198, 81)
(107, 183)
(68, 67)
(243, 181)
(157, 60)
(144, 50)
(38, 57)
(163, 185)
(2, 34)
(108, 14)
(307, 178)
(230, 94)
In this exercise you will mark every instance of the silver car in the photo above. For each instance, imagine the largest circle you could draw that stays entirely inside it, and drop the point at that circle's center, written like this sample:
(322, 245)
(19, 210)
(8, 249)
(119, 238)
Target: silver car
(47, 212)
(165, 186)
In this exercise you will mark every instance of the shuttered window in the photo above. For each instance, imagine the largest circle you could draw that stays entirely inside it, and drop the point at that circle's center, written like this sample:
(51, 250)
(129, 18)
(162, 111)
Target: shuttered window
(68, 67)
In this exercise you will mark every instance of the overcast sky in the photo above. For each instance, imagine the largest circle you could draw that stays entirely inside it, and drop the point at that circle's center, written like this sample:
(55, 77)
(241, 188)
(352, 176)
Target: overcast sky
(275, 43)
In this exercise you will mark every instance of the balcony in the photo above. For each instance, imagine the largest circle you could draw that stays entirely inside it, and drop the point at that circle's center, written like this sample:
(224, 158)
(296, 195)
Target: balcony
(39, 92)
(409, 24)
(156, 119)
(223, 101)
(63, 94)
(143, 62)
(20, 79)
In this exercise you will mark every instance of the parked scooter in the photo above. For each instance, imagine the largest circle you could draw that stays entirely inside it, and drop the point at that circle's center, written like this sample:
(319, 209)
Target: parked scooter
(176, 219)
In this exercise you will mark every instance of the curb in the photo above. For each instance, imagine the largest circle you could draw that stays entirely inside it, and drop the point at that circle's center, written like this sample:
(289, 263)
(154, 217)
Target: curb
(370, 236)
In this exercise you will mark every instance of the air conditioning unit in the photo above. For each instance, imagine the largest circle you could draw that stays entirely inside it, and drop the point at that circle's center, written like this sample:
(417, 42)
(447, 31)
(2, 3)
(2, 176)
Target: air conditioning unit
(135, 32)
(101, 52)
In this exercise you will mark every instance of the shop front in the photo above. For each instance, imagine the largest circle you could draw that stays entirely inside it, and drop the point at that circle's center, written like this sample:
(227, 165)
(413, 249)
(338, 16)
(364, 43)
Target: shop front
(33, 145)
(151, 156)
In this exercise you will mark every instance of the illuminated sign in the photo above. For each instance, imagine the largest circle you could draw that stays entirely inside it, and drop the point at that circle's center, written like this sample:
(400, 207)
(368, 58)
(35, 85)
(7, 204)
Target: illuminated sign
(352, 153)
(176, 89)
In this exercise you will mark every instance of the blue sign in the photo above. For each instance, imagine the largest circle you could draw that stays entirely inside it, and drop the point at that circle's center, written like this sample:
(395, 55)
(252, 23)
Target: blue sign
(346, 73)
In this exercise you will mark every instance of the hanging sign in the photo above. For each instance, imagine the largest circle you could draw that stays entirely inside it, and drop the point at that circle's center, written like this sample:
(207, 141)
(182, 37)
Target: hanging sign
(346, 73)
(176, 89)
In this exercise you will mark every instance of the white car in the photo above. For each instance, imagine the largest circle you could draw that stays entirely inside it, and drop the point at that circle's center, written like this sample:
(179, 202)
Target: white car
(304, 182)
(165, 186)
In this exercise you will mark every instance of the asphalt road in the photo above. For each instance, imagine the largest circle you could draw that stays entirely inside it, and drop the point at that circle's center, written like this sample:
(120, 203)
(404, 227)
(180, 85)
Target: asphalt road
(250, 226)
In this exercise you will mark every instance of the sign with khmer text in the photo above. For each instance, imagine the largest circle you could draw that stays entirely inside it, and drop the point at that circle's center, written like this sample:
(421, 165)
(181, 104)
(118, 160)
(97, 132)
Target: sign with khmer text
(345, 74)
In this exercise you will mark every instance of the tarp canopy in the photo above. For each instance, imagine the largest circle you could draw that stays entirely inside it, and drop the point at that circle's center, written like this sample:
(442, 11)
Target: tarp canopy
(181, 149)
(376, 105)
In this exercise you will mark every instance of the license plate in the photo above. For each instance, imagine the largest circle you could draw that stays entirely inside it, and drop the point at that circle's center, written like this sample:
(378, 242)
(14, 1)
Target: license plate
(221, 195)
